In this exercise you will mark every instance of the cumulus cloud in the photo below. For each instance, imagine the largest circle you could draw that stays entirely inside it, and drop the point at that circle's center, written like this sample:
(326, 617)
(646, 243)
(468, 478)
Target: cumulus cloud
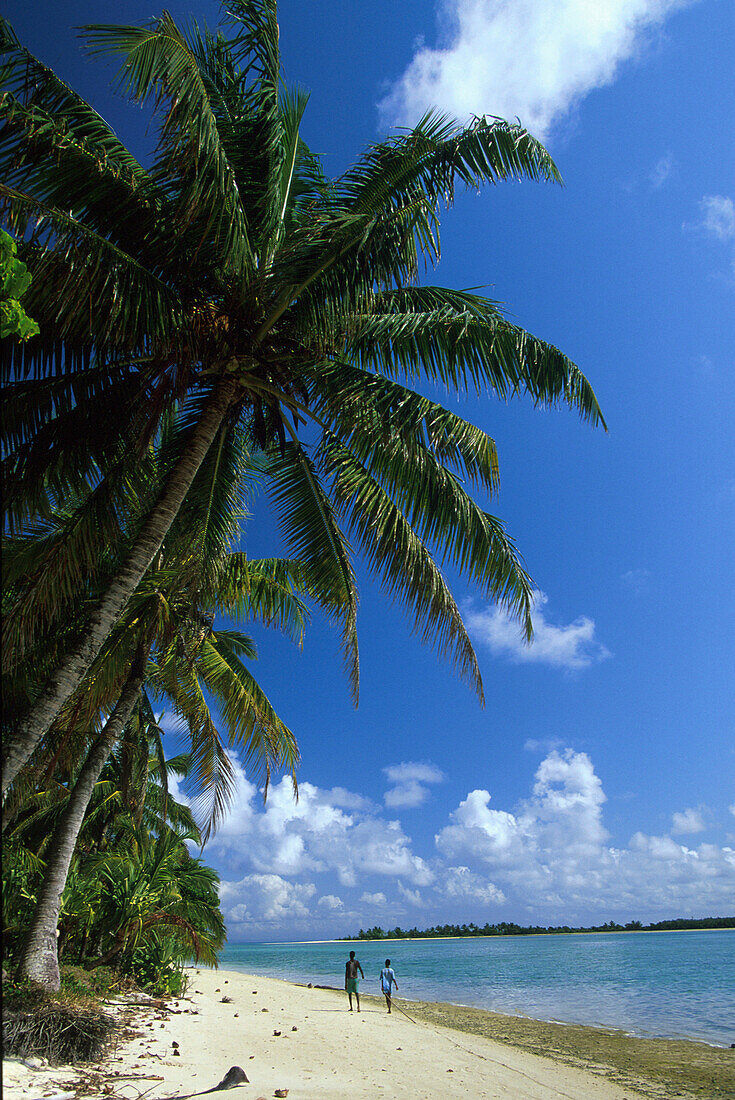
(330, 901)
(313, 835)
(553, 854)
(494, 836)
(314, 869)
(531, 59)
(409, 784)
(462, 884)
(572, 646)
(378, 898)
(688, 821)
(265, 899)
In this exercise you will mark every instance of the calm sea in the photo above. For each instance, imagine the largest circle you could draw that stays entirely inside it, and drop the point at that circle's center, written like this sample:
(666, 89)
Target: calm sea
(670, 984)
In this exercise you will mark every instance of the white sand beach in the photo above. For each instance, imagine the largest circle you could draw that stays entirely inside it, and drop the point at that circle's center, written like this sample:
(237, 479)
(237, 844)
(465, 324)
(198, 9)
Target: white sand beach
(290, 1037)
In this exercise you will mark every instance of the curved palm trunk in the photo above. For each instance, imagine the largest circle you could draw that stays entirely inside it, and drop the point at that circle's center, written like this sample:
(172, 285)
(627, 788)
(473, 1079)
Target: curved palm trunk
(19, 745)
(39, 958)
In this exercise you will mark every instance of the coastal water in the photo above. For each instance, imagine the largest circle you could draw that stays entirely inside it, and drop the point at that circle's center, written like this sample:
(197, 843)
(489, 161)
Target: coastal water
(667, 984)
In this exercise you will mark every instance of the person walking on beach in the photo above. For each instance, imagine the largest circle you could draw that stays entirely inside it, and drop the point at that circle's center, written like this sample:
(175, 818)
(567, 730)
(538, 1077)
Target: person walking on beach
(351, 968)
(387, 981)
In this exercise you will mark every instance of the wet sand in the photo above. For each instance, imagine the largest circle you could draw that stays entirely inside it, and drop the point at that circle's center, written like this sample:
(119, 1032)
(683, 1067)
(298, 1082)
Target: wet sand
(659, 1068)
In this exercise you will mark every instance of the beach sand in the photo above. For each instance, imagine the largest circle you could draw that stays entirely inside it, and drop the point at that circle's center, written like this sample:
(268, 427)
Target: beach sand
(323, 1051)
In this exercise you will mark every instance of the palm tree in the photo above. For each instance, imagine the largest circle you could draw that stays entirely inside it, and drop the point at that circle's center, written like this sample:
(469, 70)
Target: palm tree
(234, 277)
(132, 828)
(169, 623)
(39, 957)
(149, 887)
(192, 661)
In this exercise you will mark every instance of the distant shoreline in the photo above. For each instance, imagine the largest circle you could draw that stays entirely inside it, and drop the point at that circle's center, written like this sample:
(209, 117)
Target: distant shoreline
(504, 930)
(516, 935)
(476, 936)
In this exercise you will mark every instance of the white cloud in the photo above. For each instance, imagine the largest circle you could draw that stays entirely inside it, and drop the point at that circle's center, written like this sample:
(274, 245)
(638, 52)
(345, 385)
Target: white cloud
(313, 835)
(544, 744)
(311, 869)
(409, 784)
(413, 897)
(718, 216)
(265, 899)
(688, 821)
(330, 901)
(717, 220)
(493, 836)
(462, 884)
(553, 856)
(564, 814)
(572, 646)
(378, 898)
(661, 171)
(532, 59)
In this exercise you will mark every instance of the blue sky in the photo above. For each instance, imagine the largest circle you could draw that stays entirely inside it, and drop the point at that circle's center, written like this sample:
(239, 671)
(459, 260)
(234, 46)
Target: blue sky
(597, 783)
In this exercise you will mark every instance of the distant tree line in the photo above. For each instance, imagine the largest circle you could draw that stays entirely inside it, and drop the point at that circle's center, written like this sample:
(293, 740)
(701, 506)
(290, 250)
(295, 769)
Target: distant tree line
(505, 928)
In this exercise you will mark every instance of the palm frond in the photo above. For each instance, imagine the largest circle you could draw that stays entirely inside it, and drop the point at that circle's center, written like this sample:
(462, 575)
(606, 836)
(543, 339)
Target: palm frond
(439, 153)
(400, 559)
(307, 521)
(86, 290)
(463, 341)
(251, 722)
(267, 591)
(159, 63)
(54, 145)
(437, 507)
(357, 403)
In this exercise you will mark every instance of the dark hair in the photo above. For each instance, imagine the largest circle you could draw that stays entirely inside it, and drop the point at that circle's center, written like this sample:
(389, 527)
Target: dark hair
(352, 954)
(387, 962)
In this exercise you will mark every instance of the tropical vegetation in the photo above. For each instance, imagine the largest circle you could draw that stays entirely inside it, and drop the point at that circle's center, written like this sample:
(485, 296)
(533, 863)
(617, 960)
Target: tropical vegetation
(510, 928)
(135, 899)
(178, 655)
(234, 277)
(15, 278)
(223, 320)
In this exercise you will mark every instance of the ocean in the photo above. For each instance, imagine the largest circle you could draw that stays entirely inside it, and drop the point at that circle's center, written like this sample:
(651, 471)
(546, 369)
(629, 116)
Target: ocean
(668, 984)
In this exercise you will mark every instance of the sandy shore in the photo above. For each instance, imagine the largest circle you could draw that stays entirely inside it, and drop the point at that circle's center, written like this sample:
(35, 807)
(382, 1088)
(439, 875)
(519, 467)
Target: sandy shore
(286, 1036)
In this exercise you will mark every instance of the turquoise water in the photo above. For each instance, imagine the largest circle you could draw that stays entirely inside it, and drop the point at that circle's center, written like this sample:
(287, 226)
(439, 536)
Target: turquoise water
(670, 984)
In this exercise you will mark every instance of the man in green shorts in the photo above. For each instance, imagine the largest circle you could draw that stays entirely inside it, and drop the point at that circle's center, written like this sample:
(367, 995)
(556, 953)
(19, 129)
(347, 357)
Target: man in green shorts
(351, 968)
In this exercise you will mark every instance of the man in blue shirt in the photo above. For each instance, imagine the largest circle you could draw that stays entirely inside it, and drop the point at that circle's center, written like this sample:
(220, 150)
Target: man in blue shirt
(387, 982)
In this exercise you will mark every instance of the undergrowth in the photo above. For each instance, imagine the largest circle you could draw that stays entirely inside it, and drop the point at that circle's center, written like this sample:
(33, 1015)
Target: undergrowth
(68, 1026)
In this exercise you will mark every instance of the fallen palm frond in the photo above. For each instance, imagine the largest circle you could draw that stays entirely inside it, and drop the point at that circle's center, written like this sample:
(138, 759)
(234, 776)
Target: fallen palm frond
(59, 1032)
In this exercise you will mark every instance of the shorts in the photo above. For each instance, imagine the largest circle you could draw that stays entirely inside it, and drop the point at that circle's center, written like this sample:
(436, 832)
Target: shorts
(351, 985)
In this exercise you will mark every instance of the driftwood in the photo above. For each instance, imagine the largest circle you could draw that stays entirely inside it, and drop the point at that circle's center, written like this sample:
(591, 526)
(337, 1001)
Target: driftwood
(235, 1076)
(139, 1000)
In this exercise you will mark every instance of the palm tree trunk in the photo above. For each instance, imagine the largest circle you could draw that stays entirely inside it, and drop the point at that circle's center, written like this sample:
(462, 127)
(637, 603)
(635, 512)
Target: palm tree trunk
(19, 745)
(39, 958)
